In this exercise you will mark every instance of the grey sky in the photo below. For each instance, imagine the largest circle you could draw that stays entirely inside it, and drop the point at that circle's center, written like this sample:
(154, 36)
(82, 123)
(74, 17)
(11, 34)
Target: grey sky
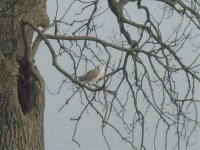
(58, 127)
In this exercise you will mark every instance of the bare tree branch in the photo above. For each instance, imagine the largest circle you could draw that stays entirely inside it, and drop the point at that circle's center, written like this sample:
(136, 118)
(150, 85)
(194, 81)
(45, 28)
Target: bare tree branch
(150, 82)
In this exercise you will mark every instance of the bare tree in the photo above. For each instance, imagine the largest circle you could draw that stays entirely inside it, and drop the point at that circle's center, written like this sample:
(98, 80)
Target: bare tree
(151, 53)
(21, 86)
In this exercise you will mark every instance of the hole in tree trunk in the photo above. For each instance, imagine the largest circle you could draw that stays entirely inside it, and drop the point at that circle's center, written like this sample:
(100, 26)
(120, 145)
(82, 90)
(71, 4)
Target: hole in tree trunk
(25, 88)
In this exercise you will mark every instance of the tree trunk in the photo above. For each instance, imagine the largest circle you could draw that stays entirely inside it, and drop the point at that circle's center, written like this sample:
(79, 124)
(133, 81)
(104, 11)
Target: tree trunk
(21, 85)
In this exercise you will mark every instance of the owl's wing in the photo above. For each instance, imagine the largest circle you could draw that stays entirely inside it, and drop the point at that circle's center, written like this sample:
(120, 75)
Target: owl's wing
(92, 74)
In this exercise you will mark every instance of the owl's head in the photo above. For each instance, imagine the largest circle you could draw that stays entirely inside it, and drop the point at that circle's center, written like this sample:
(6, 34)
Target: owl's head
(102, 70)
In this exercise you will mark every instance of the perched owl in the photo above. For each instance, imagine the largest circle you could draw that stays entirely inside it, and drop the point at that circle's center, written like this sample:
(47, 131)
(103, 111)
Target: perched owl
(93, 76)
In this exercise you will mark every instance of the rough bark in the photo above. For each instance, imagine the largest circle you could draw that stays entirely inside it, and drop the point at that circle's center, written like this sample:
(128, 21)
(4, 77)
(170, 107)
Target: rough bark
(21, 85)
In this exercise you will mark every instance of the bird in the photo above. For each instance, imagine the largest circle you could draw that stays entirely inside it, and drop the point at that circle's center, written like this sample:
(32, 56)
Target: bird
(93, 76)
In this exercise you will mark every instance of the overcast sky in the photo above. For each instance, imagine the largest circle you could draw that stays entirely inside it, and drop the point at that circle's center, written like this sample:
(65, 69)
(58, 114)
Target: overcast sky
(58, 127)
